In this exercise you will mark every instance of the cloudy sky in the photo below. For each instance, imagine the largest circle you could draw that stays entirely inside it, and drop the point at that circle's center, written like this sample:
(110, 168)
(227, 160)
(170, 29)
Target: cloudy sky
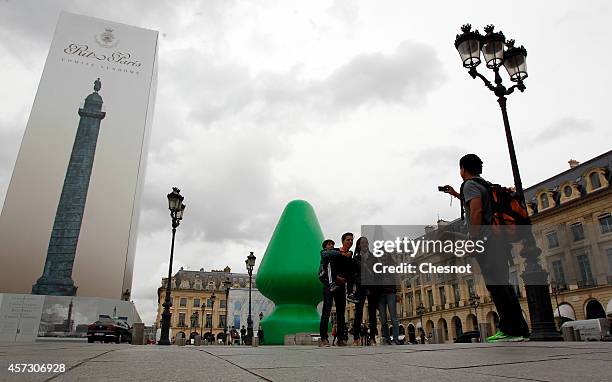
(360, 107)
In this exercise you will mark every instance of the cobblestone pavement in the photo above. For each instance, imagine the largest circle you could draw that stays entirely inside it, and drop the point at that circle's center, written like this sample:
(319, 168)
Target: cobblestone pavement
(530, 361)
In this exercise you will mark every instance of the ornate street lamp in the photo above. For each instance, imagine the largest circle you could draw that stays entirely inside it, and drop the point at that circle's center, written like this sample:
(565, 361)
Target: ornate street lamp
(212, 299)
(176, 207)
(227, 285)
(556, 291)
(514, 60)
(203, 306)
(475, 303)
(420, 311)
(250, 264)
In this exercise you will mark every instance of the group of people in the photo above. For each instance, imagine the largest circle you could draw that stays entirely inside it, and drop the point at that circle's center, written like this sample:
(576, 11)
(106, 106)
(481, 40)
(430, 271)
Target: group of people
(240, 338)
(340, 269)
(340, 273)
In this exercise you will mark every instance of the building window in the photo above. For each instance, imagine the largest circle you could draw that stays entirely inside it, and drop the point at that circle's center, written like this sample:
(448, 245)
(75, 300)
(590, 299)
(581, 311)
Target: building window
(222, 322)
(595, 181)
(181, 320)
(196, 302)
(410, 300)
(418, 297)
(609, 251)
(544, 204)
(237, 321)
(567, 191)
(222, 305)
(577, 231)
(457, 293)
(430, 297)
(208, 323)
(585, 270)
(209, 303)
(553, 240)
(470, 285)
(183, 302)
(605, 223)
(196, 320)
(442, 295)
(558, 274)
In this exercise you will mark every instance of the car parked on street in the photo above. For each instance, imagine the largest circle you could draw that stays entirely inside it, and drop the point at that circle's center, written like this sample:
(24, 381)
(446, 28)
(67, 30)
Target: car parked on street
(109, 330)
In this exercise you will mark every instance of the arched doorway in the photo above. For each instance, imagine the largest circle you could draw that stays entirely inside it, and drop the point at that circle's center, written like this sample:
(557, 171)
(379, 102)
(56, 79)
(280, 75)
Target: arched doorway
(208, 337)
(442, 324)
(471, 322)
(411, 333)
(564, 313)
(457, 327)
(493, 321)
(594, 310)
(429, 328)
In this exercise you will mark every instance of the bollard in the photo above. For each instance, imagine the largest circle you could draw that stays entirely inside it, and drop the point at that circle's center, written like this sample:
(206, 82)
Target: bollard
(138, 333)
(255, 342)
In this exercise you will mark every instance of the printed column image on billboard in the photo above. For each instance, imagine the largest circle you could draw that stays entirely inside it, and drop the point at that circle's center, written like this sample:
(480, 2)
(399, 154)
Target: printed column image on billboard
(69, 221)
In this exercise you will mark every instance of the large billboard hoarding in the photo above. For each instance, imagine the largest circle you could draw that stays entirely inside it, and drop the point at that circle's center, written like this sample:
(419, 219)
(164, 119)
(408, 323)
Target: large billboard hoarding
(69, 220)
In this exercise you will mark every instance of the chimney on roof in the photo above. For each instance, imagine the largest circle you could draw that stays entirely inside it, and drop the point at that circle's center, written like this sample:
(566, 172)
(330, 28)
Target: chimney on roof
(227, 269)
(573, 163)
(429, 229)
(201, 269)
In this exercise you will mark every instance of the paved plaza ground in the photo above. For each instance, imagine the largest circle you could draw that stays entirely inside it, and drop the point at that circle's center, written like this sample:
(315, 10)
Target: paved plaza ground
(531, 361)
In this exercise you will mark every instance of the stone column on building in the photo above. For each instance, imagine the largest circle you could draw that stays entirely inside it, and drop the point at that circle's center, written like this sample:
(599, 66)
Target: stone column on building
(57, 274)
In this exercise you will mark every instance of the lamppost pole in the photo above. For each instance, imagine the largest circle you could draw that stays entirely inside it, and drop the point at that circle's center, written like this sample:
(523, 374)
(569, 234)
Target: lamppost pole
(250, 263)
(176, 207)
(469, 44)
(203, 313)
(212, 311)
(227, 284)
(420, 310)
(556, 290)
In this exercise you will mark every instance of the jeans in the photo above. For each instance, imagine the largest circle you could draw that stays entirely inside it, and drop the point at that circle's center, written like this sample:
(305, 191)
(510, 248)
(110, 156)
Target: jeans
(387, 300)
(495, 270)
(357, 328)
(339, 296)
(373, 303)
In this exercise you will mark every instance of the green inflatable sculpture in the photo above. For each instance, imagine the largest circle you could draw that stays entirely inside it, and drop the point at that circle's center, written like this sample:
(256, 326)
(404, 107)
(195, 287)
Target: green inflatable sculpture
(288, 271)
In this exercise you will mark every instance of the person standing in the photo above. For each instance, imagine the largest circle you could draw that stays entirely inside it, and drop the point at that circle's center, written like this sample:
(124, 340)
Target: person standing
(243, 333)
(341, 267)
(260, 335)
(357, 292)
(388, 301)
(494, 262)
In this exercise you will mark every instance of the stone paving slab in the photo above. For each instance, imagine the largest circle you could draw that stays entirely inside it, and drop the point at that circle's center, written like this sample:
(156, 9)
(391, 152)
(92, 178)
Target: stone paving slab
(531, 361)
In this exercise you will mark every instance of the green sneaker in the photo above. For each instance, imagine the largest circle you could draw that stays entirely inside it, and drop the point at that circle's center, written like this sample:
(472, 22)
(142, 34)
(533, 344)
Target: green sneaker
(503, 337)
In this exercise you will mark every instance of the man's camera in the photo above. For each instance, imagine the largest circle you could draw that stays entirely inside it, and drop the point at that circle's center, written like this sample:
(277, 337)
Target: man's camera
(443, 188)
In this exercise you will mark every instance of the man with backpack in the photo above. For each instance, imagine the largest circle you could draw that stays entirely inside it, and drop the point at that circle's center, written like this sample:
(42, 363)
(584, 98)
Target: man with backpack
(488, 209)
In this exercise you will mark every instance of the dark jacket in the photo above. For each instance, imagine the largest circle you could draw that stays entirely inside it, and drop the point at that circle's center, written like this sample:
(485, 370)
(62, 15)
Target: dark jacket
(340, 265)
